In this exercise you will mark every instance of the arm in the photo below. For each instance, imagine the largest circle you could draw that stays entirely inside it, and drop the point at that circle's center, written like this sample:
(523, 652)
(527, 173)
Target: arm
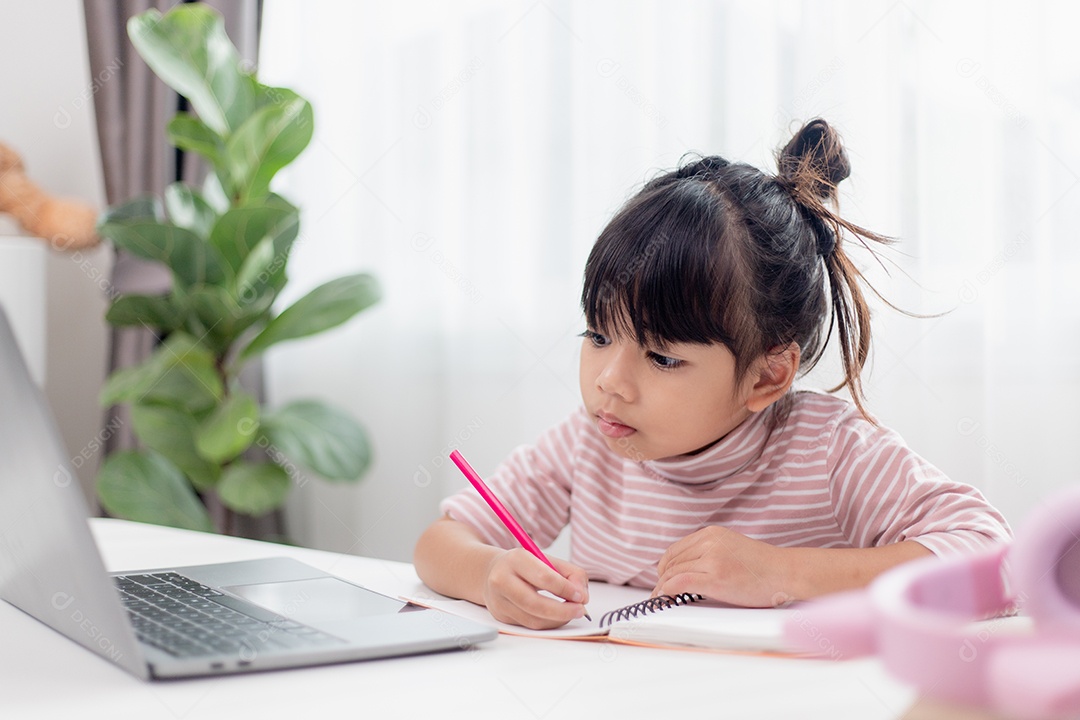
(465, 554)
(451, 559)
(890, 504)
(725, 565)
(883, 493)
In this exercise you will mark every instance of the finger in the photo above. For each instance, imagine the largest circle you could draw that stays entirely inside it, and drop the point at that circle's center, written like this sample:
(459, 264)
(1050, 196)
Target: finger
(689, 566)
(543, 611)
(691, 552)
(687, 548)
(533, 610)
(575, 575)
(512, 599)
(544, 592)
(696, 583)
(540, 576)
(507, 612)
(673, 551)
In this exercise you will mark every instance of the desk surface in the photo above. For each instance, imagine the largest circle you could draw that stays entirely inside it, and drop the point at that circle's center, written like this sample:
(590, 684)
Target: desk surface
(511, 677)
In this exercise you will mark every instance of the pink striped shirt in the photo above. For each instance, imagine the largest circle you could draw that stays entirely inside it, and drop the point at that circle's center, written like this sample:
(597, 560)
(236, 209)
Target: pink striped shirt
(824, 478)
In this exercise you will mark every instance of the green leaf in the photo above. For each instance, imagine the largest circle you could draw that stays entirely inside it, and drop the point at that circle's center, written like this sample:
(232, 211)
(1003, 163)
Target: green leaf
(253, 488)
(319, 437)
(325, 307)
(188, 132)
(192, 260)
(180, 373)
(189, 50)
(221, 318)
(160, 312)
(258, 270)
(171, 432)
(188, 209)
(230, 428)
(215, 195)
(142, 207)
(145, 487)
(241, 229)
(270, 139)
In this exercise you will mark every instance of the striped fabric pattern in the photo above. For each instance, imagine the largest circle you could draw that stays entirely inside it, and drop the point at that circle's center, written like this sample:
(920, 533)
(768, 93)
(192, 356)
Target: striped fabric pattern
(825, 478)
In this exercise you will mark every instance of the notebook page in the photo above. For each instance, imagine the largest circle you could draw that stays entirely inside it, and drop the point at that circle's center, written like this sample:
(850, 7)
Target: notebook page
(707, 626)
(602, 598)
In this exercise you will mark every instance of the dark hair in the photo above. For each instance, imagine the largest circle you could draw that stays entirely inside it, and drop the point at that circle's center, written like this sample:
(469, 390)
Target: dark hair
(720, 252)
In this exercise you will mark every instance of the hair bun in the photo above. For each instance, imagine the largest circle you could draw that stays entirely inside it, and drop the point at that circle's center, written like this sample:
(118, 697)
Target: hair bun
(814, 160)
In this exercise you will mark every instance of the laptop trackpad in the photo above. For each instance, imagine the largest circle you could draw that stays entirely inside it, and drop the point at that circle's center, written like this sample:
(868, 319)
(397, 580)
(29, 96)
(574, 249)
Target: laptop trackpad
(313, 602)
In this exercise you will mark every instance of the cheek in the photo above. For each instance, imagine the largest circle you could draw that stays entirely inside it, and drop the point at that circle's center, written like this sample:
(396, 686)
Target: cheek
(699, 407)
(586, 376)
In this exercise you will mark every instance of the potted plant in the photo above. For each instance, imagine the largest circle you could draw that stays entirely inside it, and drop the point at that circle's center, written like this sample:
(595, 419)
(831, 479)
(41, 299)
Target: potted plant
(227, 245)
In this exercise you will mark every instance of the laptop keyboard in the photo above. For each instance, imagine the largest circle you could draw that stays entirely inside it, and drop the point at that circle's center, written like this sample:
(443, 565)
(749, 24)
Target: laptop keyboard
(188, 619)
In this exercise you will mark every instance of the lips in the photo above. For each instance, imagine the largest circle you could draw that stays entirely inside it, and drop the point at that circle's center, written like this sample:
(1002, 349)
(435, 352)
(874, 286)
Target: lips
(610, 426)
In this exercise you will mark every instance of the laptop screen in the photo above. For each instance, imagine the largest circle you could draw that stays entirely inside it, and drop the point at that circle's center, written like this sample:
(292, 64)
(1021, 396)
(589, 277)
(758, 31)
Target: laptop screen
(49, 564)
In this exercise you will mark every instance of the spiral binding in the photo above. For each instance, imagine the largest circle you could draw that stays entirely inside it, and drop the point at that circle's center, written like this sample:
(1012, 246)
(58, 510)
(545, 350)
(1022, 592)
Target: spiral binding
(653, 604)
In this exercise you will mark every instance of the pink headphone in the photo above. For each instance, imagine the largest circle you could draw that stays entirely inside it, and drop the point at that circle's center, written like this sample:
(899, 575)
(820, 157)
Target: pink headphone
(917, 618)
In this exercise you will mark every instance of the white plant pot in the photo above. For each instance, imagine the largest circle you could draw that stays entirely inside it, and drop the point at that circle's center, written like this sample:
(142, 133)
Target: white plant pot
(22, 295)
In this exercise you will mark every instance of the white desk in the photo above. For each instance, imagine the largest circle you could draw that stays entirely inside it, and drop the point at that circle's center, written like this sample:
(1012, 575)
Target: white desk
(45, 675)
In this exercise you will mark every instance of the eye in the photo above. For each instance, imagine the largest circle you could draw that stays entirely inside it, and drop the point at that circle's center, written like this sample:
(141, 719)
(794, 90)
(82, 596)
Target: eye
(595, 338)
(663, 361)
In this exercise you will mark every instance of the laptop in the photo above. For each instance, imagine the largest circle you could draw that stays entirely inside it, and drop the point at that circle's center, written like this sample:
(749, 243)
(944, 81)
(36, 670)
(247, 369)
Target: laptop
(176, 622)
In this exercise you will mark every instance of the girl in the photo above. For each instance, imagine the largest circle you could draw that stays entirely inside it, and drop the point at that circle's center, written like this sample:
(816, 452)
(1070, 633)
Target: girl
(693, 466)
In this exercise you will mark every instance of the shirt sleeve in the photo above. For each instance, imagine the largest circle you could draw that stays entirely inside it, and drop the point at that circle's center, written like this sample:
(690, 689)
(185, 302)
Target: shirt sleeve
(534, 483)
(883, 493)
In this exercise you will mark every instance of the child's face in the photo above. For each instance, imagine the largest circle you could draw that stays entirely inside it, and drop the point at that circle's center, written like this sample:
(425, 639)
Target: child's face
(650, 404)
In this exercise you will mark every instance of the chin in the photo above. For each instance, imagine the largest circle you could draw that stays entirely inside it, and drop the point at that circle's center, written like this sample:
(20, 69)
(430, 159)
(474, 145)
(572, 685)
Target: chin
(627, 448)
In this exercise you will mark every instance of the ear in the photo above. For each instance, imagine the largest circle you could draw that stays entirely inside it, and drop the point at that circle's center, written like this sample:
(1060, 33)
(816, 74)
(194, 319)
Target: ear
(772, 377)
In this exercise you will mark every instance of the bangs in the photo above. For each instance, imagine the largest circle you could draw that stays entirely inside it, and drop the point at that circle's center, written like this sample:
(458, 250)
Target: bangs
(660, 272)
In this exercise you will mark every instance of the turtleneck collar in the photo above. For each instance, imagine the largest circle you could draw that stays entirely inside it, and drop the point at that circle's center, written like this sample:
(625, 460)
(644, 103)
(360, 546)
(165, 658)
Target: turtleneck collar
(735, 452)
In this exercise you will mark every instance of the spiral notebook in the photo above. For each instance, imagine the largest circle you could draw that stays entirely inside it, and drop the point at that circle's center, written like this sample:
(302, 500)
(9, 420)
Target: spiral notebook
(629, 616)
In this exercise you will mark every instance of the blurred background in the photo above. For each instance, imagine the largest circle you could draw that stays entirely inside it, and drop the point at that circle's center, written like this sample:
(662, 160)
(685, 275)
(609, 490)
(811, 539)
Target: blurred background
(469, 153)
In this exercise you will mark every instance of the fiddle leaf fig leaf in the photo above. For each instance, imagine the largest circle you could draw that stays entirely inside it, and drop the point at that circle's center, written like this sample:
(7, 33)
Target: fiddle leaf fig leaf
(257, 272)
(145, 487)
(188, 209)
(270, 139)
(180, 373)
(221, 317)
(192, 260)
(239, 231)
(327, 306)
(189, 50)
(187, 132)
(253, 488)
(141, 207)
(319, 437)
(170, 432)
(157, 311)
(214, 193)
(230, 428)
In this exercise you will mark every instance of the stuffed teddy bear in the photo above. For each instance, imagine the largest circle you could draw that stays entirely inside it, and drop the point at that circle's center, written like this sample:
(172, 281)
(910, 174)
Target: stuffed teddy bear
(64, 224)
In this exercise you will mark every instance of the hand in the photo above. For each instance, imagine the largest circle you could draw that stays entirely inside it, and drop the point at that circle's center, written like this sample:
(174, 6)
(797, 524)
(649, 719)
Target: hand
(726, 566)
(512, 590)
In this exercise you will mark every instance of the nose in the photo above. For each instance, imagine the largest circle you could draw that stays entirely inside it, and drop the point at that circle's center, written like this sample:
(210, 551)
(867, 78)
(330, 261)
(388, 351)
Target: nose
(615, 376)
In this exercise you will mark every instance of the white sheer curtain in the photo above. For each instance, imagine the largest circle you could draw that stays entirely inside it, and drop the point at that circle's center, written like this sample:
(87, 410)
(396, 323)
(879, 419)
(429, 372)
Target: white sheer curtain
(468, 154)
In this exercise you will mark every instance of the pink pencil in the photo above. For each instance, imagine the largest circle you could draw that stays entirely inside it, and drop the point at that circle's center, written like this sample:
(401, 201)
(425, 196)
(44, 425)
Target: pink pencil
(500, 510)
